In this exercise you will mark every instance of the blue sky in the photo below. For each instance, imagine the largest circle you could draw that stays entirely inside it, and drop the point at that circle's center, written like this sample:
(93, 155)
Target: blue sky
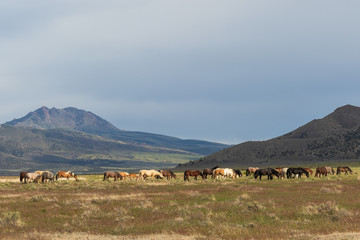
(228, 71)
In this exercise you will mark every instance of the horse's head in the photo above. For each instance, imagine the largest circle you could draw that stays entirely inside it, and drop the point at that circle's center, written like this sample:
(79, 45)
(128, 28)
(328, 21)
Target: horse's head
(256, 174)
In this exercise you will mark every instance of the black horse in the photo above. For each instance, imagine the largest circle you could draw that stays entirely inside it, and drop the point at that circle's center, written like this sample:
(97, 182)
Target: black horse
(266, 171)
(208, 171)
(296, 171)
(238, 172)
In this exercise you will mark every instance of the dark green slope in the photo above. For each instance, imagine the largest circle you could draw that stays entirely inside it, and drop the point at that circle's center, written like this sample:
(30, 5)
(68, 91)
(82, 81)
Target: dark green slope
(334, 138)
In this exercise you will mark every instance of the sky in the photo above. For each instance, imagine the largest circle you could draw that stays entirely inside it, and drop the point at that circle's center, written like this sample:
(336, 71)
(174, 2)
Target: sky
(219, 70)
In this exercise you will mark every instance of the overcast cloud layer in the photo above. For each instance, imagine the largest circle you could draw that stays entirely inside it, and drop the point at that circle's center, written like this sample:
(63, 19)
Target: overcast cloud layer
(226, 70)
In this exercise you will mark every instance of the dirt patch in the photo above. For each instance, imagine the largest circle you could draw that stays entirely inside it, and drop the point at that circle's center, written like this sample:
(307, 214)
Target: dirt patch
(332, 236)
(87, 236)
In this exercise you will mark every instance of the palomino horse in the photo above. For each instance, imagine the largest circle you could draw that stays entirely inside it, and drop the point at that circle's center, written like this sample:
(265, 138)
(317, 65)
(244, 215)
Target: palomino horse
(321, 171)
(66, 174)
(266, 171)
(251, 170)
(168, 174)
(111, 174)
(149, 173)
(123, 175)
(330, 170)
(209, 171)
(22, 176)
(30, 177)
(193, 173)
(343, 169)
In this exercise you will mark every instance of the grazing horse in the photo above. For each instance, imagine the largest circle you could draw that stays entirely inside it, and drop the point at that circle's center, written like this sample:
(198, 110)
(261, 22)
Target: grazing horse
(111, 174)
(22, 176)
(66, 174)
(250, 170)
(123, 175)
(209, 171)
(168, 174)
(330, 170)
(47, 176)
(238, 172)
(321, 171)
(30, 176)
(133, 175)
(193, 173)
(343, 169)
(296, 171)
(309, 171)
(266, 171)
(149, 173)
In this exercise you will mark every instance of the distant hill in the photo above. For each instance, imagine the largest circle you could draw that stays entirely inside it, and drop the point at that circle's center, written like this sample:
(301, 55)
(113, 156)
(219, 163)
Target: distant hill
(334, 138)
(75, 139)
(87, 122)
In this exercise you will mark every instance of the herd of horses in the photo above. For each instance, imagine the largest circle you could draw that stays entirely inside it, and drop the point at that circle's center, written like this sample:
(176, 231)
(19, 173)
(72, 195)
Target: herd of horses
(214, 172)
(45, 176)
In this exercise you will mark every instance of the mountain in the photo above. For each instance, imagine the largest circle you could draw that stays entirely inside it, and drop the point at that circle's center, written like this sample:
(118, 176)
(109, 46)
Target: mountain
(334, 138)
(87, 122)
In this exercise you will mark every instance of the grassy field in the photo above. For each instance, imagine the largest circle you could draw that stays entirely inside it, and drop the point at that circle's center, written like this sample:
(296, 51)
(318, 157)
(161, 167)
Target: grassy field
(243, 208)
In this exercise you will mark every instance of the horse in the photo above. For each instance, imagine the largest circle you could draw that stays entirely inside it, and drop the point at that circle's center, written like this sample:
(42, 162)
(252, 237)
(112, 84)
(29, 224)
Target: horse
(250, 170)
(47, 175)
(22, 176)
(309, 171)
(266, 171)
(111, 174)
(149, 173)
(343, 169)
(133, 175)
(296, 171)
(66, 174)
(209, 171)
(321, 171)
(330, 170)
(193, 173)
(168, 174)
(30, 176)
(218, 171)
(123, 175)
(238, 172)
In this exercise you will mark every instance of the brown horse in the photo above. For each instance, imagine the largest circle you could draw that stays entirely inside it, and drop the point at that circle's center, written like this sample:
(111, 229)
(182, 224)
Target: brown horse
(123, 175)
(251, 170)
(133, 175)
(321, 171)
(111, 174)
(343, 169)
(168, 174)
(66, 174)
(209, 171)
(22, 176)
(193, 173)
(309, 171)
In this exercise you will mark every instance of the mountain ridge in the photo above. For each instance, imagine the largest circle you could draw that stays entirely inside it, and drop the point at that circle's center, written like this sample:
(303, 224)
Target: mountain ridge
(333, 138)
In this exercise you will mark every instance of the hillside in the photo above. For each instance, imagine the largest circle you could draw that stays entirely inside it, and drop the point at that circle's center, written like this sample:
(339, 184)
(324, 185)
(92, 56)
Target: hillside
(87, 122)
(31, 149)
(334, 138)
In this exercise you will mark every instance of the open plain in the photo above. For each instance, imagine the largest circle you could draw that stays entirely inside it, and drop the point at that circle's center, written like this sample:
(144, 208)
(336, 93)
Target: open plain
(242, 208)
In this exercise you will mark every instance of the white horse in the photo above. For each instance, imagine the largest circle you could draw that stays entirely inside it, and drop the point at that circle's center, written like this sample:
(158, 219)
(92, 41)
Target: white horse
(149, 173)
(31, 177)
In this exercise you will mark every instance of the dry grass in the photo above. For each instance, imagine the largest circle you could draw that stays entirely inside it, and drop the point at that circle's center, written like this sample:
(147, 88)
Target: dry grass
(326, 208)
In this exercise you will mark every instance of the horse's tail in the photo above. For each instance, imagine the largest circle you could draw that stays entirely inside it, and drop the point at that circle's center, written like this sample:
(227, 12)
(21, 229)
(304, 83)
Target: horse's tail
(104, 176)
(57, 176)
(185, 176)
